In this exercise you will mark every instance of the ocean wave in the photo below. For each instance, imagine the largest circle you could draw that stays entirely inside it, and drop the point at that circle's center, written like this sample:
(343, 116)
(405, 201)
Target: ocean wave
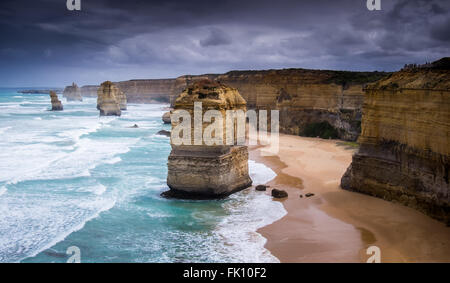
(248, 211)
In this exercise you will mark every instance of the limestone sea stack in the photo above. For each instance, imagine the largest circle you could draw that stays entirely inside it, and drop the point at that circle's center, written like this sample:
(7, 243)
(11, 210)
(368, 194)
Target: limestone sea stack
(56, 103)
(404, 153)
(108, 101)
(72, 93)
(207, 171)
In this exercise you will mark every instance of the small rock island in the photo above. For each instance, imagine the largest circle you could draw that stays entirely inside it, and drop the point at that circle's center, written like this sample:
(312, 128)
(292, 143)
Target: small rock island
(72, 93)
(207, 171)
(56, 103)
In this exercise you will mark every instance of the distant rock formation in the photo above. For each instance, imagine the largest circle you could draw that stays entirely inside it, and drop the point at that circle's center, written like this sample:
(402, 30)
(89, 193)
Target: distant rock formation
(166, 118)
(404, 152)
(108, 99)
(72, 93)
(56, 103)
(207, 171)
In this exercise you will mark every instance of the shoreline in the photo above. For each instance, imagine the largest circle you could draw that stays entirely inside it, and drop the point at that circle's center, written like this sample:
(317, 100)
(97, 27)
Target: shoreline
(336, 225)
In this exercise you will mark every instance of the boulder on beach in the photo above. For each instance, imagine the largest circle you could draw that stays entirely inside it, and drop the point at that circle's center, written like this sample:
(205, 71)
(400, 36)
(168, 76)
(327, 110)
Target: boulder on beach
(279, 193)
(261, 188)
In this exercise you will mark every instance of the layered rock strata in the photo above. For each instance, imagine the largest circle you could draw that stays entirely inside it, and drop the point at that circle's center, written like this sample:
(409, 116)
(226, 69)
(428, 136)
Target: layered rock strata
(72, 93)
(109, 99)
(404, 153)
(305, 98)
(207, 171)
(56, 103)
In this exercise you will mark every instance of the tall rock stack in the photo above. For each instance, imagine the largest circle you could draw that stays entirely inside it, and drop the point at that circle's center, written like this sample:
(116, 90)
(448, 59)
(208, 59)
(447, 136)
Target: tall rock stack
(109, 99)
(405, 140)
(56, 103)
(207, 171)
(72, 93)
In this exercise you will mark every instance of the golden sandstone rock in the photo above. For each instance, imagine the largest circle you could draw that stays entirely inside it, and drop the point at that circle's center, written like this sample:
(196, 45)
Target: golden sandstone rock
(56, 103)
(110, 100)
(201, 170)
(405, 141)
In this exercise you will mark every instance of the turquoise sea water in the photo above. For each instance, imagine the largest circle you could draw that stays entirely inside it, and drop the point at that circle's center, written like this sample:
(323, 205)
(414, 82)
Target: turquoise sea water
(72, 178)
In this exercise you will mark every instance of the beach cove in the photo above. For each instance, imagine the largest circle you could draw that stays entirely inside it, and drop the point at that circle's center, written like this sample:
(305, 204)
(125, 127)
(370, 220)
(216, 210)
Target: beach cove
(336, 225)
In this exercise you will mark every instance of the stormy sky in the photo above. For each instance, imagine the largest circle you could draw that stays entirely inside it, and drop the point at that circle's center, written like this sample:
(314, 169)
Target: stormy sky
(44, 44)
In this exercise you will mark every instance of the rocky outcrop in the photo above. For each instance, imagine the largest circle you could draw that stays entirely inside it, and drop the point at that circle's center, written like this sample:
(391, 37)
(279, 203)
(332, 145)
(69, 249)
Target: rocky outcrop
(72, 93)
(207, 171)
(108, 99)
(56, 103)
(311, 102)
(166, 118)
(404, 152)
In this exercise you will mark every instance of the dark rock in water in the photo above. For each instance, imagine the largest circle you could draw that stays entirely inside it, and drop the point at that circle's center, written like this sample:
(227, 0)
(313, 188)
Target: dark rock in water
(279, 193)
(56, 103)
(135, 126)
(54, 253)
(164, 133)
(261, 188)
(176, 194)
(309, 195)
(166, 118)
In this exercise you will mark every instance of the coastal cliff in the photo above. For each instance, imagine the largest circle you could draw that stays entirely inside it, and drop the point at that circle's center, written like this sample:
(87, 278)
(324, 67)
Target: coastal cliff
(72, 93)
(109, 99)
(147, 91)
(56, 103)
(311, 102)
(206, 170)
(404, 153)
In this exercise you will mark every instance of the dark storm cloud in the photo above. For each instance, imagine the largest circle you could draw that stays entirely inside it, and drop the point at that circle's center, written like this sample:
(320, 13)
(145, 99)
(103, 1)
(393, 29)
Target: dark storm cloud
(43, 43)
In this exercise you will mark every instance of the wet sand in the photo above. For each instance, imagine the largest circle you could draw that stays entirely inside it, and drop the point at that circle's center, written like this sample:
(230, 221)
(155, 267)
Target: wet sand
(335, 225)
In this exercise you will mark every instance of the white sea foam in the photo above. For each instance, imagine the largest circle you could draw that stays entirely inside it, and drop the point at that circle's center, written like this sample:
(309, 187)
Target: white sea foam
(32, 227)
(2, 190)
(248, 211)
(113, 160)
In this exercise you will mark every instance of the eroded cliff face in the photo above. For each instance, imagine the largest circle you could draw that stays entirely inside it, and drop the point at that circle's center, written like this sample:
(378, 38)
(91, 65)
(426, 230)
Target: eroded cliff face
(207, 171)
(56, 103)
(404, 152)
(304, 97)
(147, 91)
(109, 99)
(72, 93)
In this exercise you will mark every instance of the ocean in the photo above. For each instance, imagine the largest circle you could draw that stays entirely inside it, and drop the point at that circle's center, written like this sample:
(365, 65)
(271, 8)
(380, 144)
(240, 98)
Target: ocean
(72, 178)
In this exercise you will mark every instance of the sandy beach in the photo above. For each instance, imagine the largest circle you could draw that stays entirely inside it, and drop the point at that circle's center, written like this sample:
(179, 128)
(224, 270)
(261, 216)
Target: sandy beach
(335, 225)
